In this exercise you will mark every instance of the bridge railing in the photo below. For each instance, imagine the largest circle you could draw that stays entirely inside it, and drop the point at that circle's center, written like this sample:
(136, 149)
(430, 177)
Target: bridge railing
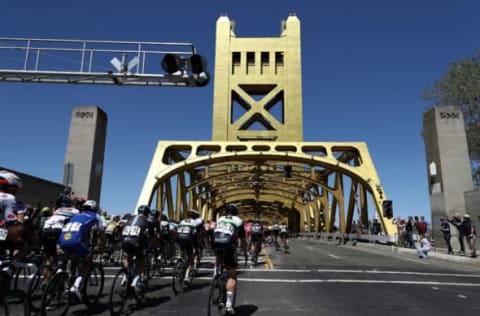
(381, 239)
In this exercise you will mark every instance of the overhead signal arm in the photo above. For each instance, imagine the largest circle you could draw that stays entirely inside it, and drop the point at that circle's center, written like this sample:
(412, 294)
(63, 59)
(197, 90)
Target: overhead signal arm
(101, 62)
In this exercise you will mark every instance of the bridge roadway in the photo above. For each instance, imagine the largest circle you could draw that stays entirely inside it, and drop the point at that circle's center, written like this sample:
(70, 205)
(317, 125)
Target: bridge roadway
(318, 277)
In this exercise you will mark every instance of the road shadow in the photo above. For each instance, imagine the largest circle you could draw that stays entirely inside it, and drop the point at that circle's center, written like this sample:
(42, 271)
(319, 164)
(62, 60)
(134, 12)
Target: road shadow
(245, 310)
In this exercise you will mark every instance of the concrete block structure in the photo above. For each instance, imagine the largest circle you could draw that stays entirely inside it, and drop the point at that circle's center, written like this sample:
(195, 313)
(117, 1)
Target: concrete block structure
(36, 191)
(83, 167)
(448, 164)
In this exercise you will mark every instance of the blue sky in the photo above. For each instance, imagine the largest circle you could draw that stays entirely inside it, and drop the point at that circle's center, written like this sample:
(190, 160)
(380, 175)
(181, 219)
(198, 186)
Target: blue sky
(365, 65)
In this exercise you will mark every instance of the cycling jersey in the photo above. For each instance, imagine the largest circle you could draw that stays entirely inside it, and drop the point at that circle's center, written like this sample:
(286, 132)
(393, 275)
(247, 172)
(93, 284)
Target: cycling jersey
(227, 232)
(75, 236)
(164, 227)
(187, 229)
(111, 227)
(59, 217)
(257, 228)
(135, 235)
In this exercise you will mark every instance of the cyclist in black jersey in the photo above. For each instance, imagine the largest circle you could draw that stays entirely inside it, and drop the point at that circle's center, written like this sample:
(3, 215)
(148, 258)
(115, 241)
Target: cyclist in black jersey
(135, 242)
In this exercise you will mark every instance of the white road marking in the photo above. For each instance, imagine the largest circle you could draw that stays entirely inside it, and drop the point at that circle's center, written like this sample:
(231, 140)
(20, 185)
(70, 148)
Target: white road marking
(333, 256)
(399, 272)
(462, 296)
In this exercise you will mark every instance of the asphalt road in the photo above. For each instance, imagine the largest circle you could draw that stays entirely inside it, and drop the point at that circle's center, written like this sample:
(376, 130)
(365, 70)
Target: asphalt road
(318, 277)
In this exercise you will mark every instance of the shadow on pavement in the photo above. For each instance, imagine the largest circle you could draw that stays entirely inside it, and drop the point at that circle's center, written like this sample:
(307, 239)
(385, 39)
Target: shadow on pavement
(245, 310)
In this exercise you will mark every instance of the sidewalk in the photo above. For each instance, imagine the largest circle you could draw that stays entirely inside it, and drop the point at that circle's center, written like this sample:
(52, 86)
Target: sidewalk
(438, 253)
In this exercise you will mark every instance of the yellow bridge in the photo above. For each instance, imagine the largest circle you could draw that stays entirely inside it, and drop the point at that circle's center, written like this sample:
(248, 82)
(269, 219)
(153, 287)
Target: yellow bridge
(257, 157)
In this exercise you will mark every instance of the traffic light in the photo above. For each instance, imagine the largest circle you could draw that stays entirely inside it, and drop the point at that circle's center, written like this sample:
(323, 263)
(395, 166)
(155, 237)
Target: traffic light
(387, 209)
(171, 63)
(198, 64)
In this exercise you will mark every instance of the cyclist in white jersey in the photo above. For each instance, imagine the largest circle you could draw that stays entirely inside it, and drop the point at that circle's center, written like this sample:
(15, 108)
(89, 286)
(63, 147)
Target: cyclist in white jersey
(52, 228)
(10, 229)
(228, 231)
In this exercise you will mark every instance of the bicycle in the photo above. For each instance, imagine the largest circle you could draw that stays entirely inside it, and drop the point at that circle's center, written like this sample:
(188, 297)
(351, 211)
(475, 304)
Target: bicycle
(217, 298)
(57, 297)
(12, 301)
(122, 288)
(178, 277)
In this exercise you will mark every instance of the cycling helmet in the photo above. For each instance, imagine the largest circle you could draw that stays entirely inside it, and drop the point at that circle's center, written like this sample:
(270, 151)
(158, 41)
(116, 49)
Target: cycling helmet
(143, 209)
(126, 216)
(231, 209)
(89, 205)
(164, 217)
(153, 212)
(10, 181)
(78, 202)
(193, 213)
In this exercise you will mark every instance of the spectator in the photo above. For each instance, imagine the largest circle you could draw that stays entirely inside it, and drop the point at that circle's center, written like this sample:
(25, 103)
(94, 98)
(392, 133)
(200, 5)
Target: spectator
(400, 231)
(409, 232)
(424, 248)
(445, 229)
(470, 233)
(457, 221)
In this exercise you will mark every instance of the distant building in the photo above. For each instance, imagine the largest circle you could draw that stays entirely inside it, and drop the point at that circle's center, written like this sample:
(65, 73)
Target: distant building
(36, 191)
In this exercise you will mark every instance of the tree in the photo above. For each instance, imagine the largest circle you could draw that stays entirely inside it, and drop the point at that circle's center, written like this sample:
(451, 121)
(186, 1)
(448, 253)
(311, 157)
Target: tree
(460, 86)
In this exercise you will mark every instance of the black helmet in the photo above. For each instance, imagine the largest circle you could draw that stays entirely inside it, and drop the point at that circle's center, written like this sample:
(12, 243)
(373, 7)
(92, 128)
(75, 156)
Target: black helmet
(193, 213)
(231, 209)
(143, 209)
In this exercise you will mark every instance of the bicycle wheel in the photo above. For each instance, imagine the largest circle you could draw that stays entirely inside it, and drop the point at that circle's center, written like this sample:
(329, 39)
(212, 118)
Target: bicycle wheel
(140, 292)
(35, 290)
(23, 276)
(56, 298)
(178, 276)
(16, 303)
(216, 297)
(119, 292)
(93, 287)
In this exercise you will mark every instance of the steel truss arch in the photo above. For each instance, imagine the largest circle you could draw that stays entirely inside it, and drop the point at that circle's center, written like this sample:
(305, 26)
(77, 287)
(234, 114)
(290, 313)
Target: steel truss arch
(325, 190)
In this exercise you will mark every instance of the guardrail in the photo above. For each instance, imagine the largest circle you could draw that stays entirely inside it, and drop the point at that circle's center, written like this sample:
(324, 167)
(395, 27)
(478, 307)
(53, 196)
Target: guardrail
(381, 239)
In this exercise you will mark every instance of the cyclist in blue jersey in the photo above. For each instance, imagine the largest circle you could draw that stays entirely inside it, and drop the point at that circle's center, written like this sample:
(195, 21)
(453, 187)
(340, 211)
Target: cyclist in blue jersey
(76, 240)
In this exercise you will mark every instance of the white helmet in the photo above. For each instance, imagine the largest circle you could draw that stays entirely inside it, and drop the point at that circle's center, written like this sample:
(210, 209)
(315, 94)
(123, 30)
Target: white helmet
(10, 181)
(90, 205)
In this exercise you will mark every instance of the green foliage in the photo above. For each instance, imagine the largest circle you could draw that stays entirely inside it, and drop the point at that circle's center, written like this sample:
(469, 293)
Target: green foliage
(460, 86)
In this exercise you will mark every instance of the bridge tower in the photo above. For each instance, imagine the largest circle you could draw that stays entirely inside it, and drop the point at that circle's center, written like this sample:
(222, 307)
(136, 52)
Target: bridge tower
(260, 80)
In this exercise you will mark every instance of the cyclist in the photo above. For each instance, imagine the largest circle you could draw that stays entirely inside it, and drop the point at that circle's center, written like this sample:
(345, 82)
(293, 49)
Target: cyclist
(135, 242)
(75, 241)
(256, 238)
(284, 235)
(112, 235)
(275, 235)
(189, 235)
(10, 184)
(51, 230)
(229, 229)
(165, 240)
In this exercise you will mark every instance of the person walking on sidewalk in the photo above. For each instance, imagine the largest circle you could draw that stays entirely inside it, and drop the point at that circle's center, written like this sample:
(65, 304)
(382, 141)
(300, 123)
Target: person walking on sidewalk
(445, 229)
